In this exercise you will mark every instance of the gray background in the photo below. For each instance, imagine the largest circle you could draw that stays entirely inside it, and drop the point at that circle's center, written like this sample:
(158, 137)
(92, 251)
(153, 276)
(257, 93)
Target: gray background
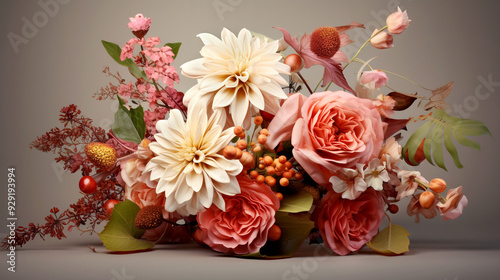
(62, 63)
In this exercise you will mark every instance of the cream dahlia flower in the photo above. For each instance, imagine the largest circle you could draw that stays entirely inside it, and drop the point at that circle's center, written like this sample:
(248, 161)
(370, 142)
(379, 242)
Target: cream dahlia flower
(187, 163)
(240, 73)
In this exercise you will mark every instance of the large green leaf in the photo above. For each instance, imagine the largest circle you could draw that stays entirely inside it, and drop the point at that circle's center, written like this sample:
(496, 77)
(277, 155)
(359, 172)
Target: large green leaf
(114, 51)
(392, 240)
(129, 125)
(295, 203)
(295, 228)
(440, 129)
(121, 234)
(175, 47)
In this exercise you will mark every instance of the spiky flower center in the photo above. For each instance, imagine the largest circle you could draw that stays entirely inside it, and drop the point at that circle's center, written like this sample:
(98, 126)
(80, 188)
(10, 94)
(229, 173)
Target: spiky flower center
(325, 41)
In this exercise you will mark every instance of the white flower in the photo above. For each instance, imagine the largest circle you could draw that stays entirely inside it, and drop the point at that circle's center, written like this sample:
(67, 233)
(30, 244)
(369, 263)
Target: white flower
(242, 73)
(188, 165)
(376, 175)
(349, 182)
(408, 184)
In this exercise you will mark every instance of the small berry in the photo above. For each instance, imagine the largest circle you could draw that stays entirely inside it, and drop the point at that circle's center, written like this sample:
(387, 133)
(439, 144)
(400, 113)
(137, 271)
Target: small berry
(282, 159)
(298, 176)
(393, 208)
(254, 174)
(229, 152)
(258, 120)
(238, 130)
(87, 185)
(270, 181)
(268, 160)
(264, 132)
(262, 139)
(110, 205)
(279, 196)
(260, 179)
(274, 233)
(270, 170)
(294, 61)
(284, 182)
(241, 144)
(287, 174)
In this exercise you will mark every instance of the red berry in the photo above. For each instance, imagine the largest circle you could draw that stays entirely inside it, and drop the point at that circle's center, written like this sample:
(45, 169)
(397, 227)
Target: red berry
(88, 185)
(274, 233)
(110, 205)
(393, 208)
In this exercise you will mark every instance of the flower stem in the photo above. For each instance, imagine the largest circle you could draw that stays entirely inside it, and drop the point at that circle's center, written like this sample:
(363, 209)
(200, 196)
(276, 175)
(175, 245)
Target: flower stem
(359, 51)
(403, 77)
(304, 80)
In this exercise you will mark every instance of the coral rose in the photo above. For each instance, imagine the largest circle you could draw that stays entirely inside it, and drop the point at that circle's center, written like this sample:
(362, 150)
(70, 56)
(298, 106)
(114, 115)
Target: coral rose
(331, 131)
(346, 225)
(243, 228)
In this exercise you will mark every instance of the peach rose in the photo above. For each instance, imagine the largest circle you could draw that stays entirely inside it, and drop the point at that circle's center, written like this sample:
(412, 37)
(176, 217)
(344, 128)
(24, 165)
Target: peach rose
(346, 225)
(329, 131)
(244, 226)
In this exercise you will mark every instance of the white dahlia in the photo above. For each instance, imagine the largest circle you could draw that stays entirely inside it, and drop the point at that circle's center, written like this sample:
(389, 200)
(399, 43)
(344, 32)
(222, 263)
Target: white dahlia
(242, 73)
(187, 163)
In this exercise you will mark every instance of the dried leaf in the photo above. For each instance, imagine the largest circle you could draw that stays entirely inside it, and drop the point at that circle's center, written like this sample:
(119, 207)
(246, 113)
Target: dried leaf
(438, 97)
(403, 100)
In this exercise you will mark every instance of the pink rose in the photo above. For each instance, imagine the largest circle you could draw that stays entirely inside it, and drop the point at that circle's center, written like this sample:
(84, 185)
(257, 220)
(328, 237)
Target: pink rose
(397, 22)
(329, 131)
(346, 225)
(244, 226)
(385, 105)
(455, 203)
(382, 40)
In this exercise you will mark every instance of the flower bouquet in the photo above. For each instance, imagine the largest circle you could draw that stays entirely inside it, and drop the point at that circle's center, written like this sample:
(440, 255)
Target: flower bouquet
(253, 160)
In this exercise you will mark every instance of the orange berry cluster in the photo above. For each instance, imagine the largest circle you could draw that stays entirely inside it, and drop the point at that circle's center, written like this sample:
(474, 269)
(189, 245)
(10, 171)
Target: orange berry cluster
(427, 198)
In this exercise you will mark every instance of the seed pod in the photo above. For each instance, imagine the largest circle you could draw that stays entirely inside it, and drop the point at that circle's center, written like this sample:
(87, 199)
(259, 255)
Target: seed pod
(437, 185)
(427, 199)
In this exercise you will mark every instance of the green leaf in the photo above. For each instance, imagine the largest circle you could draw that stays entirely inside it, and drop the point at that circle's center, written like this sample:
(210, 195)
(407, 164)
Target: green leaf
(129, 125)
(294, 230)
(295, 203)
(440, 129)
(392, 240)
(114, 51)
(175, 47)
(121, 234)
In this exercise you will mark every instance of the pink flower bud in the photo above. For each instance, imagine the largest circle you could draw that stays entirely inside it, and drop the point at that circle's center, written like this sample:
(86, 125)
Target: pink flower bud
(397, 22)
(374, 79)
(383, 40)
(139, 25)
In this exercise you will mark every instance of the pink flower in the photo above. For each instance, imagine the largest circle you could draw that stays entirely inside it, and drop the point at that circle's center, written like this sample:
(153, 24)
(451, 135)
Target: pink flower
(382, 40)
(455, 203)
(374, 79)
(346, 225)
(397, 22)
(329, 131)
(139, 25)
(128, 49)
(323, 49)
(415, 209)
(385, 105)
(390, 153)
(243, 227)
(408, 184)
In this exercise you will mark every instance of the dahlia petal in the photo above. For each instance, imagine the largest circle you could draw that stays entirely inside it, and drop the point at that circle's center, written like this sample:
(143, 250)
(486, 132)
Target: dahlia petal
(224, 97)
(239, 107)
(194, 180)
(194, 69)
